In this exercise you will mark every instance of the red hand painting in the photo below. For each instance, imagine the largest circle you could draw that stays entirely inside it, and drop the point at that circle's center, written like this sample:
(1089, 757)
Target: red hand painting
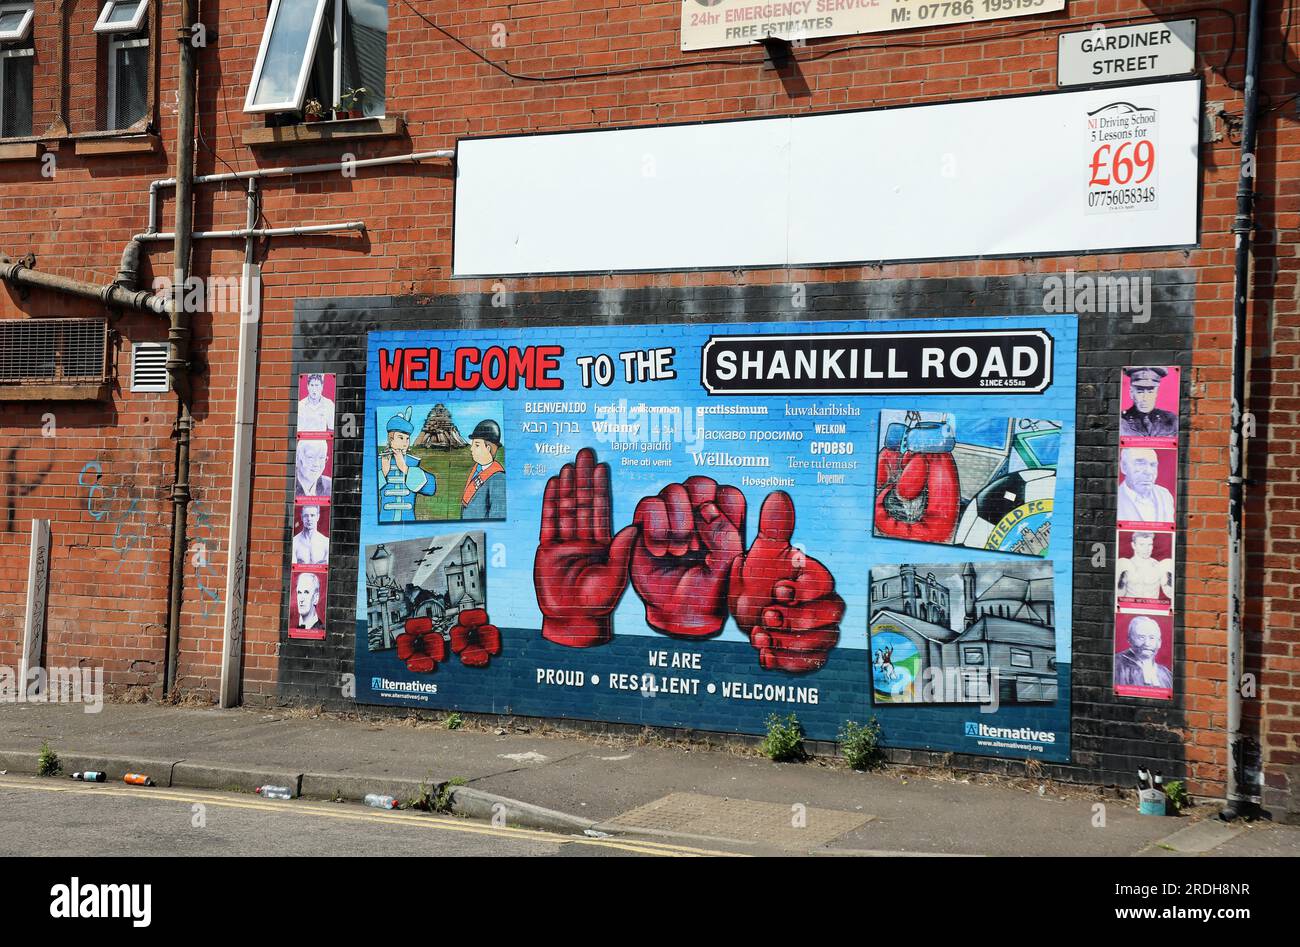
(689, 536)
(784, 600)
(580, 572)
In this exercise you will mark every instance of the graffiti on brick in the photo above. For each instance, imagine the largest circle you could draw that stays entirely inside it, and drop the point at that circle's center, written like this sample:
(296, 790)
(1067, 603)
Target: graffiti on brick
(117, 504)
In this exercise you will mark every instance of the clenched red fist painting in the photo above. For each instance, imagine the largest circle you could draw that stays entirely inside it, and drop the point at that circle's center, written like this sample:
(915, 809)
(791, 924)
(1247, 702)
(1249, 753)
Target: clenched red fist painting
(784, 600)
(580, 571)
(689, 536)
(918, 496)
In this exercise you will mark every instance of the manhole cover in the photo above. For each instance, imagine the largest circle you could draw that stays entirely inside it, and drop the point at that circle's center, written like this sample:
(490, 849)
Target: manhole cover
(792, 826)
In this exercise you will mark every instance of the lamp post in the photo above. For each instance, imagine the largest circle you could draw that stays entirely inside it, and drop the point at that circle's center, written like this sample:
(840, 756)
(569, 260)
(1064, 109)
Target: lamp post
(379, 579)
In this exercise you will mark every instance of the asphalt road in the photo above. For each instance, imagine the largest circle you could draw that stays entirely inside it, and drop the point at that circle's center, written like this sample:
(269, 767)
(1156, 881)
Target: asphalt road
(57, 816)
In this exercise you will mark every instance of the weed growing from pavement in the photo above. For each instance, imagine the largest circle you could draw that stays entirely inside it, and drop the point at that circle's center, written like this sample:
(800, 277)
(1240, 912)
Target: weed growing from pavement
(860, 744)
(48, 764)
(784, 740)
(454, 721)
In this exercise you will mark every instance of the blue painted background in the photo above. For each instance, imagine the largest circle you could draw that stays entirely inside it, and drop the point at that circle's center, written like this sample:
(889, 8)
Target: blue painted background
(833, 525)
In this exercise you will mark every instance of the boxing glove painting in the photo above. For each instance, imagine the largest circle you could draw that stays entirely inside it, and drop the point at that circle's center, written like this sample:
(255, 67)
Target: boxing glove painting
(918, 495)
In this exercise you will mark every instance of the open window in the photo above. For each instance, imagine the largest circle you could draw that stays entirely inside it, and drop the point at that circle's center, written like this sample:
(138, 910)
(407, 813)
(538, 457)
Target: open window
(123, 25)
(332, 51)
(15, 22)
(16, 58)
(121, 16)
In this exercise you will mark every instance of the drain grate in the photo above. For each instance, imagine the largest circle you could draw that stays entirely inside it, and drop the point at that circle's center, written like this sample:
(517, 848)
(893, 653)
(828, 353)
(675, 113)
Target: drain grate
(767, 823)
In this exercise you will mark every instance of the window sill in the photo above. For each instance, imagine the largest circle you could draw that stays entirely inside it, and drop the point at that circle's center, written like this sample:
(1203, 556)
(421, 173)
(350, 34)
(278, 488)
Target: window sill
(20, 150)
(72, 391)
(310, 133)
(118, 145)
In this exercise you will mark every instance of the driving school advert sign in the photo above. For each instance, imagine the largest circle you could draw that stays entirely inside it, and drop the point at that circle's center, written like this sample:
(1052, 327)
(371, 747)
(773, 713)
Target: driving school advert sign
(713, 24)
(703, 525)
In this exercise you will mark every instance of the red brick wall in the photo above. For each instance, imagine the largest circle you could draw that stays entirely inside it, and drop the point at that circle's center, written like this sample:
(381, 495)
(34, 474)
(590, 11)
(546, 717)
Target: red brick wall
(111, 608)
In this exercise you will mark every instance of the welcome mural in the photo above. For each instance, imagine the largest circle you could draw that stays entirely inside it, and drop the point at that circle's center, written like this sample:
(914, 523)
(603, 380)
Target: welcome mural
(698, 526)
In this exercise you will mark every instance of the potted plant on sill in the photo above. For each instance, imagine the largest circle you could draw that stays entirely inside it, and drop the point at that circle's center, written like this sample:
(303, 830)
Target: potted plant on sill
(313, 111)
(349, 103)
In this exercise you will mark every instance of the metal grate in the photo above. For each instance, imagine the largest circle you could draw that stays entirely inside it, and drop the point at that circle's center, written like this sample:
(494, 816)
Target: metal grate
(15, 96)
(132, 84)
(149, 367)
(53, 351)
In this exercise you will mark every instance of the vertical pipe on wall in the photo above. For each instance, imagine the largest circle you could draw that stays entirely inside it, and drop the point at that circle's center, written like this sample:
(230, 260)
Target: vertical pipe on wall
(1242, 792)
(178, 334)
(250, 311)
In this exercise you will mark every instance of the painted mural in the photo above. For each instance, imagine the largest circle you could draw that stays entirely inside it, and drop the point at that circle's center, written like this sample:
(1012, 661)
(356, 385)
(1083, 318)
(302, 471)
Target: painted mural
(969, 633)
(701, 521)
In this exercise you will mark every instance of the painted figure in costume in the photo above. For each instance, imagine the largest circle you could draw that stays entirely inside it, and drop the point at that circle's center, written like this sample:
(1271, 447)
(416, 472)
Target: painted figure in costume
(485, 487)
(401, 474)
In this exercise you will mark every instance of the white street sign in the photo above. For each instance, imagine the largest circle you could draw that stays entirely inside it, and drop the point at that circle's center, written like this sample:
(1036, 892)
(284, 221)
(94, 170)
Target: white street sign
(1126, 53)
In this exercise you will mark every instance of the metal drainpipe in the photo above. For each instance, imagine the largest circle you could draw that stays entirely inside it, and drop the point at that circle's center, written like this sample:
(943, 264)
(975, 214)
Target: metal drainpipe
(179, 332)
(1242, 791)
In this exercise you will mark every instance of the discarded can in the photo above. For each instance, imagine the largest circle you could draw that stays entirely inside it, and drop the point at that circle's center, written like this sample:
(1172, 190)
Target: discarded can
(274, 792)
(137, 779)
(381, 802)
(90, 776)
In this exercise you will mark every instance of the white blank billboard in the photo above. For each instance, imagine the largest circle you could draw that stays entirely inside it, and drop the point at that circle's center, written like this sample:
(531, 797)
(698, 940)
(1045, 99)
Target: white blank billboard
(1010, 176)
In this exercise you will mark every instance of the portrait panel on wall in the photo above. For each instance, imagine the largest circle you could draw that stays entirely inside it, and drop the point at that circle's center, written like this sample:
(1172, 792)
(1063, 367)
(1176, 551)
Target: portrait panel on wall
(979, 482)
(1148, 488)
(1144, 647)
(963, 633)
(316, 403)
(313, 470)
(1144, 571)
(307, 603)
(441, 462)
(1149, 406)
(311, 534)
(427, 598)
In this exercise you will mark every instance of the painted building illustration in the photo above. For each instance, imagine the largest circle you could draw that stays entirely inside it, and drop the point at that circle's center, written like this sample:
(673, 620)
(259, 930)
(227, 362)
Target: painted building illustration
(435, 578)
(999, 636)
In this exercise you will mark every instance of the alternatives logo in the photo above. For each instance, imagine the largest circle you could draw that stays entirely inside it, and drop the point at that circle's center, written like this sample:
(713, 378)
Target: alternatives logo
(1023, 734)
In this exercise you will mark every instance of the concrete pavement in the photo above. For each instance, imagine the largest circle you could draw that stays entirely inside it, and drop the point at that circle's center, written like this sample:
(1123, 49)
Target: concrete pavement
(614, 785)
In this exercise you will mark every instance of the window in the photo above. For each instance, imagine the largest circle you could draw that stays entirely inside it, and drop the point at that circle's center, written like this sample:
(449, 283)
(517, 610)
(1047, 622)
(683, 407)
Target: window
(323, 50)
(1021, 659)
(121, 17)
(972, 655)
(16, 92)
(123, 23)
(128, 80)
(15, 22)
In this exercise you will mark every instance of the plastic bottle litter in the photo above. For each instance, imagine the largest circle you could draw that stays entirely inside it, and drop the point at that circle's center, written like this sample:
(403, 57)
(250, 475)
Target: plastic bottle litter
(274, 792)
(381, 802)
(137, 779)
(90, 776)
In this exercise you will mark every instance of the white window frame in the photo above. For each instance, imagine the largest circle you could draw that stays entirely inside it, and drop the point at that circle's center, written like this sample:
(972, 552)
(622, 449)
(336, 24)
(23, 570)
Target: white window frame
(9, 54)
(113, 46)
(102, 25)
(309, 54)
(24, 28)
